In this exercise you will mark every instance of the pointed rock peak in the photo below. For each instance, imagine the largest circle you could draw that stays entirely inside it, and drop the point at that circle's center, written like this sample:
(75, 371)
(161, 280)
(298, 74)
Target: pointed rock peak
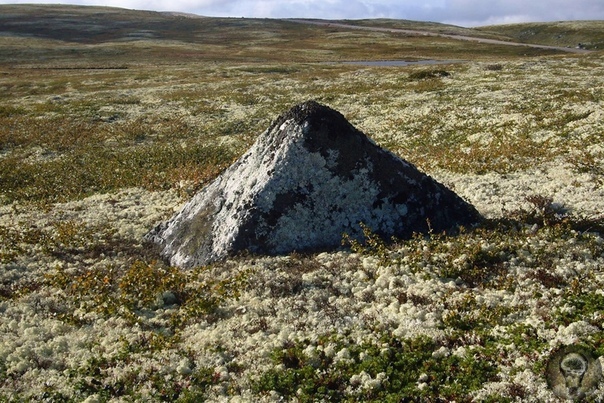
(309, 110)
(314, 117)
(307, 180)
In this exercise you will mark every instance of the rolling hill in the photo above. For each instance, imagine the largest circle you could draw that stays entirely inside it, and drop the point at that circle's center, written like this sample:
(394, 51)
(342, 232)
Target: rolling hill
(588, 34)
(66, 34)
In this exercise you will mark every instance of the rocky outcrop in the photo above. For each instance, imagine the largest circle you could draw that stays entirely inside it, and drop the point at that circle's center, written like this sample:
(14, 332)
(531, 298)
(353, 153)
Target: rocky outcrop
(307, 180)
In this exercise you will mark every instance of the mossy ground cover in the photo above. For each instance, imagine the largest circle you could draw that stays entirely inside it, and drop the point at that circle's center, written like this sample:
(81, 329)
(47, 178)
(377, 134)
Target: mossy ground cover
(92, 158)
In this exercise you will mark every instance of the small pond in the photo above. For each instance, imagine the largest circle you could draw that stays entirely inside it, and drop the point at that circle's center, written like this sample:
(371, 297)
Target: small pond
(399, 63)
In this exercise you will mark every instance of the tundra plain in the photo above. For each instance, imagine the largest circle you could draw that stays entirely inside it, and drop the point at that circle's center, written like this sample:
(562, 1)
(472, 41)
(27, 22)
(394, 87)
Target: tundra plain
(111, 119)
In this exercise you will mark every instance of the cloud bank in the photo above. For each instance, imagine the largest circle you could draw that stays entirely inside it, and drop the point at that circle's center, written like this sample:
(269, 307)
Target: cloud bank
(457, 12)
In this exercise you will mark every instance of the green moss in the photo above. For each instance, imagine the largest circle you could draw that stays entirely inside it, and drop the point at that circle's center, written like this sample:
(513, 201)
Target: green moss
(587, 306)
(88, 379)
(400, 364)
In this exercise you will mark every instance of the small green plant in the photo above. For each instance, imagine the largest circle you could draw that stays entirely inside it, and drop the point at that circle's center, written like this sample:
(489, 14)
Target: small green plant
(479, 257)
(391, 370)
(143, 284)
(59, 239)
(526, 338)
(11, 244)
(373, 244)
(467, 315)
(90, 170)
(9, 110)
(462, 256)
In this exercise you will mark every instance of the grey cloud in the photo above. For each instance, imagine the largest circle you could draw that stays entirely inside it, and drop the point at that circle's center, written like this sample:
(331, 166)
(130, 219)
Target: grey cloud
(478, 12)
(284, 9)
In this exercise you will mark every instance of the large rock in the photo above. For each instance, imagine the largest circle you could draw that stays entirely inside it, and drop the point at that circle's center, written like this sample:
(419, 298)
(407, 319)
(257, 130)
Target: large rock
(307, 180)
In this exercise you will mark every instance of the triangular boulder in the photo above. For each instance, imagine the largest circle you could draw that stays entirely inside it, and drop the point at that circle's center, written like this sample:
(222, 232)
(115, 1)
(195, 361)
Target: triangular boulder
(307, 180)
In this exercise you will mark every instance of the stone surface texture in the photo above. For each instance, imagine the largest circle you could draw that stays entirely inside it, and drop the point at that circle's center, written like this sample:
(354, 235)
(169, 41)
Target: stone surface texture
(307, 180)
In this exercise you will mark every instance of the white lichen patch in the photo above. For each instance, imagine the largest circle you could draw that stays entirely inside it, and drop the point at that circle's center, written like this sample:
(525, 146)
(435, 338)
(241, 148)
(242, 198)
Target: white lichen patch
(130, 212)
(492, 193)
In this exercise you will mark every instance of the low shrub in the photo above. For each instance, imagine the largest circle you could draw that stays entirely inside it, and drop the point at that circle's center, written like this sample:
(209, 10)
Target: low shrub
(428, 74)
(390, 370)
(494, 67)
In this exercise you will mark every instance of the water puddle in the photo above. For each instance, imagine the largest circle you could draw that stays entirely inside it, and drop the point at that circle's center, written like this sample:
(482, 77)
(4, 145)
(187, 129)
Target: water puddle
(399, 63)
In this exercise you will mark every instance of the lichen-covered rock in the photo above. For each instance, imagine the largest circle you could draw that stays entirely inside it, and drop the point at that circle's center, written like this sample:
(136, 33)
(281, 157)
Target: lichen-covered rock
(307, 180)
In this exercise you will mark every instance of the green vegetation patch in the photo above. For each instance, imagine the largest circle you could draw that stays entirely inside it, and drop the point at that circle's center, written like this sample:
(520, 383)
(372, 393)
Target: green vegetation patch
(578, 305)
(389, 370)
(130, 293)
(100, 170)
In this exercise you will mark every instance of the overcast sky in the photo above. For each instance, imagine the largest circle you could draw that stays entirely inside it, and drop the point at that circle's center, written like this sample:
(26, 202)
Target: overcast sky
(457, 12)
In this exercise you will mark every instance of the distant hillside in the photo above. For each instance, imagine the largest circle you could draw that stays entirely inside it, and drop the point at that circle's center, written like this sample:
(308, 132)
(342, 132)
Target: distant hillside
(435, 27)
(587, 34)
(64, 35)
(91, 24)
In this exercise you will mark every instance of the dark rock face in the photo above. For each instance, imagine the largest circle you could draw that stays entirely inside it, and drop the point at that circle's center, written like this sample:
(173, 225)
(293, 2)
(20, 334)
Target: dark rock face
(308, 179)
